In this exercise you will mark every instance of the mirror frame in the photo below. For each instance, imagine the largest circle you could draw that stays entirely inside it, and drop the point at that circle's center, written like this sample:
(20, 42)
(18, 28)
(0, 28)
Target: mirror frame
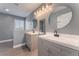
(49, 19)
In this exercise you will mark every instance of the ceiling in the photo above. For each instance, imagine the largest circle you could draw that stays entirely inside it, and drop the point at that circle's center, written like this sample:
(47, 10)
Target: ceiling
(20, 9)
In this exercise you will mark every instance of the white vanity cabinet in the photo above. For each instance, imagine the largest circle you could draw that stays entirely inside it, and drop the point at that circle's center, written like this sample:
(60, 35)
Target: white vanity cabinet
(31, 41)
(48, 48)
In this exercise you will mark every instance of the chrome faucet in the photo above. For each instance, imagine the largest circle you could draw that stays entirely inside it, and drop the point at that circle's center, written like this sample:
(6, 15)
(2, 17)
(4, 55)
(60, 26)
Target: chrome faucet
(33, 30)
(56, 34)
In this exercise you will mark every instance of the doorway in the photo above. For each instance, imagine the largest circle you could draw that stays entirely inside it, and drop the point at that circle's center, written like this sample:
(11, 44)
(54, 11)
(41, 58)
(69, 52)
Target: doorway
(42, 26)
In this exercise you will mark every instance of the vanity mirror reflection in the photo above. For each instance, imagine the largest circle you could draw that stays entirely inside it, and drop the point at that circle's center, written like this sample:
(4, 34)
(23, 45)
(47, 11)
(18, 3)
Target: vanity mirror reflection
(34, 24)
(61, 15)
(42, 26)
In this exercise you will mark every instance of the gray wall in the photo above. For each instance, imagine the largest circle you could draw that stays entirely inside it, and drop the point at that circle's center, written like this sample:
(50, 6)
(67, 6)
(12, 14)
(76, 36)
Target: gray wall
(51, 23)
(29, 23)
(73, 26)
(7, 29)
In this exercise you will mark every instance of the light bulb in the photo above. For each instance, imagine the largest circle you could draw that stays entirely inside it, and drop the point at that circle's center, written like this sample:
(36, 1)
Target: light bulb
(43, 8)
(47, 6)
(37, 12)
(34, 13)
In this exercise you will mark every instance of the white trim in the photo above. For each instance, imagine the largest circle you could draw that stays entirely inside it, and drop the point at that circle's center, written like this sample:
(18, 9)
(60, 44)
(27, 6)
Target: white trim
(3, 41)
(19, 45)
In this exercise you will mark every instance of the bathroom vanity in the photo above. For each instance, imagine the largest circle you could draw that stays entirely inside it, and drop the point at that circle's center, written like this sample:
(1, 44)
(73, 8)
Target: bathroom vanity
(31, 40)
(65, 45)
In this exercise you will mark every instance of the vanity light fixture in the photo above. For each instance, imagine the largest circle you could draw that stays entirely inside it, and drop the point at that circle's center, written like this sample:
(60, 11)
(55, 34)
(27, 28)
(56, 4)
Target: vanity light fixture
(43, 9)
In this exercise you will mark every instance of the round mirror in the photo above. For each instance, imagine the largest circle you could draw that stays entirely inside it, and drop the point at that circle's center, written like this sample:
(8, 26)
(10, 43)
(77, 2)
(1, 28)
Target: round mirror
(62, 15)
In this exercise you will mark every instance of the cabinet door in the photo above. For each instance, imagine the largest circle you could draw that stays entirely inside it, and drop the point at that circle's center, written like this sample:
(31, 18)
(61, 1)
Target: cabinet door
(65, 51)
(53, 50)
(28, 40)
(34, 39)
(42, 48)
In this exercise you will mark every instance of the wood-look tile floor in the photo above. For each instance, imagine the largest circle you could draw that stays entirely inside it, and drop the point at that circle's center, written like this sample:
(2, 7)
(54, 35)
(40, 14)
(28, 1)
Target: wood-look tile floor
(21, 51)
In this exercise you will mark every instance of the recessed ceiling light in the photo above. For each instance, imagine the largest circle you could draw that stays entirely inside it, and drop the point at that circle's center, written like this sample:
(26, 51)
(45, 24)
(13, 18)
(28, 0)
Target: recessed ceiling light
(7, 10)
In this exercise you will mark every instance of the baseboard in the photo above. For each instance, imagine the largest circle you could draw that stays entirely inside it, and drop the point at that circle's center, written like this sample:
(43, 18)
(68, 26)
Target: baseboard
(19, 45)
(9, 40)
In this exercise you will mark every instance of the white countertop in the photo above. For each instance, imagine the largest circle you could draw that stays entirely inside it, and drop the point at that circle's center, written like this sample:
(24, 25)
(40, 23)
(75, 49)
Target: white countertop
(35, 33)
(71, 41)
(31, 33)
